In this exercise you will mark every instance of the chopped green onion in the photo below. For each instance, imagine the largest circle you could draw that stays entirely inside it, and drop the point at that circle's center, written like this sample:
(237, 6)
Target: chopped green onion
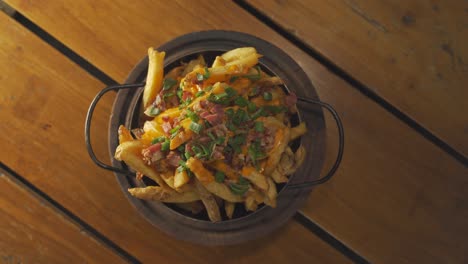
(243, 181)
(168, 83)
(230, 91)
(209, 88)
(207, 73)
(187, 155)
(179, 94)
(211, 136)
(167, 95)
(258, 113)
(157, 140)
(219, 140)
(174, 130)
(259, 127)
(254, 91)
(195, 127)
(233, 78)
(241, 101)
(194, 117)
(165, 145)
(240, 117)
(229, 112)
(199, 93)
(200, 77)
(152, 111)
(231, 126)
(251, 107)
(267, 96)
(219, 176)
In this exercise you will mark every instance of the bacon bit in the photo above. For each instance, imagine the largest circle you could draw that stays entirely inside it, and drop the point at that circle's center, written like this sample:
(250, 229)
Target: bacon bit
(186, 95)
(173, 159)
(290, 99)
(165, 118)
(149, 152)
(204, 104)
(218, 153)
(166, 126)
(139, 176)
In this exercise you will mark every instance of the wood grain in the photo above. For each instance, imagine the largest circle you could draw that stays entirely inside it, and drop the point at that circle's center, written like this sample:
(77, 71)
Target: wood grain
(396, 198)
(33, 232)
(43, 105)
(411, 53)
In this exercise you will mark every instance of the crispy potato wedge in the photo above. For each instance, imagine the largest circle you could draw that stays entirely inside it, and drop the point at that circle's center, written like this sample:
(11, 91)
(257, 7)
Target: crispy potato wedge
(258, 179)
(180, 178)
(156, 193)
(247, 57)
(297, 131)
(209, 201)
(223, 191)
(199, 62)
(281, 142)
(229, 209)
(154, 77)
(271, 194)
(202, 174)
(250, 203)
(130, 153)
(278, 177)
(218, 62)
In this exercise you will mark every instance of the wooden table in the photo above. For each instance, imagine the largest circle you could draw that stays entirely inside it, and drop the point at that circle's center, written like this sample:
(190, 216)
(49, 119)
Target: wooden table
(397, 74)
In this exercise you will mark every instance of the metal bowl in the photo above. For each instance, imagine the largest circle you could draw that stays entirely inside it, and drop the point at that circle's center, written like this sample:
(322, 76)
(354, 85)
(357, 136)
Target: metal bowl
(244, 226)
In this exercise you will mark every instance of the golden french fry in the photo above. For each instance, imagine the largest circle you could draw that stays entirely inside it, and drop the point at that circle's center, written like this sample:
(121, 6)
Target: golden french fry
(250, 203)
(255, 177)
(221, 190)
(297, 131)
(271, 194)
(298, 159)
(130, 153)
(199, 62)
(124, 134)
(209, 201)
(168, 177)
(247, 57)
(154, 76)
(281, 142)
(156, 193)
(229, 208)
(278, 177)
(180, 178)
(202, 174)
(226, 169)
(218, 62)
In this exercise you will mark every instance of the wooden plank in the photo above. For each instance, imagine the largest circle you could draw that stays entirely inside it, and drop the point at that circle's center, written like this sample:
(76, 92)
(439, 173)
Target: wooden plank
(387, 169)
(43, 104)
(33, 232)
(411, 53)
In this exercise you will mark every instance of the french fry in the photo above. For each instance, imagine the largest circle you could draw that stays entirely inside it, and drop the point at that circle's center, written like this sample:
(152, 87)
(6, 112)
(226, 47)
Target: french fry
(247, 57)
(180, 178)
(258, 179)
(229, 209)
(202, 174)
(218, 62)
(124, 134)
(156, 193)
(297, 131)
(209, 201)
(199, 62)
(168, 178)
(281, 142)
(154, 76)
(271, 194)
(130, 153)
(221, 190)
(250, 203)
(278, 177)
(226, 169)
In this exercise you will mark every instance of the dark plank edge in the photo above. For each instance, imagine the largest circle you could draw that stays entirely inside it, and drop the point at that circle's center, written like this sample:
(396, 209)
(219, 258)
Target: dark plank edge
(43, 197)
(365, 90)
(328, 238)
